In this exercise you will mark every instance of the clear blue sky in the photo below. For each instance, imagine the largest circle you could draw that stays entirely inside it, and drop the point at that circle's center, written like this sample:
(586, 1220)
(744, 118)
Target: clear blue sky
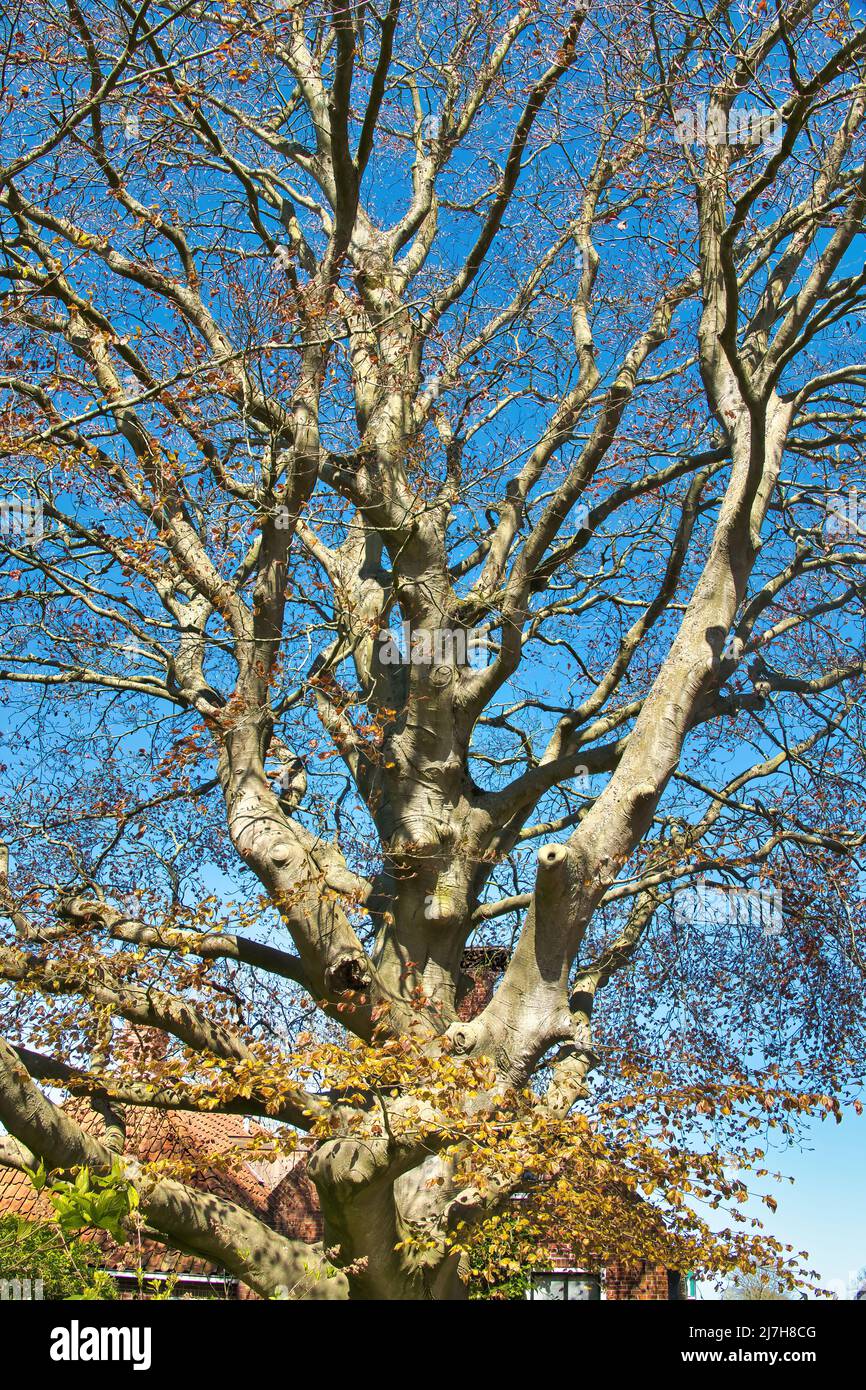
(824, 1212)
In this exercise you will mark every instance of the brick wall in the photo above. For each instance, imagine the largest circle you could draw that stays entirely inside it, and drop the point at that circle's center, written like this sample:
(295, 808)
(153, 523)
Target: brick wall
(636, 1283)
(293, 1207)
(481, 968)
(478, 994)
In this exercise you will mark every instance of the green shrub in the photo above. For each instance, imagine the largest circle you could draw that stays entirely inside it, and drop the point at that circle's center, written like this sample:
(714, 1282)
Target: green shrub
(37, 1250)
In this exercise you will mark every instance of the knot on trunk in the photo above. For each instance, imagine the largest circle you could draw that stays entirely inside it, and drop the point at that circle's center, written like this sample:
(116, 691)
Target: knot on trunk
(463, 1039)
(552, 857)
(348, 974)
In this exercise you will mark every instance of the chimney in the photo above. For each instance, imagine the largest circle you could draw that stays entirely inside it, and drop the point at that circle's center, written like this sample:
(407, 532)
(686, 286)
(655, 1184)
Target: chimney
(481, 966)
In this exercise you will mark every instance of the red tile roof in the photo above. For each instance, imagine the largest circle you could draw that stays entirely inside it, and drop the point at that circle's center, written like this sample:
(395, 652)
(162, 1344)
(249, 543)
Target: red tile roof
(208, 1150)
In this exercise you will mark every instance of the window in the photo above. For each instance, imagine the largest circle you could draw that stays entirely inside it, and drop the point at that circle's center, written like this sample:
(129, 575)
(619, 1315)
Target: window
(564, 1286)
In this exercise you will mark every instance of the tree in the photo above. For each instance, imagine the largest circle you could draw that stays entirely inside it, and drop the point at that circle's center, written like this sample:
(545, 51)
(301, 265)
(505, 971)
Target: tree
(756, 1287)
(432, 429)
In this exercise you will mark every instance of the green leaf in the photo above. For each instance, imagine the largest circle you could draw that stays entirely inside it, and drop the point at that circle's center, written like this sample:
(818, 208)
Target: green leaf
(38, 1177)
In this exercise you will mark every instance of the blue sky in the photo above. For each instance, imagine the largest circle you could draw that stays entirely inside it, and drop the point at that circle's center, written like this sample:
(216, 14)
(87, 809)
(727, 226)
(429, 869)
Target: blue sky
(824, 1211)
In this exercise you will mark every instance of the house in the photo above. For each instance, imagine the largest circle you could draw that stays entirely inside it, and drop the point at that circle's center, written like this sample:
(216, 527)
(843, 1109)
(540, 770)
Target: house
(565, 1281)
(227, 1156)
(216, 1153)
(219, 1154)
